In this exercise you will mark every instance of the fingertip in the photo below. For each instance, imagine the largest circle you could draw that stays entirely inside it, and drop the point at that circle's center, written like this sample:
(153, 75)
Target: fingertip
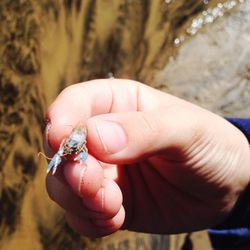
(115, 222)
(85, 179)
(63, 115)
(107, 201)
(55, 133)
(112, 198)
(96, 228)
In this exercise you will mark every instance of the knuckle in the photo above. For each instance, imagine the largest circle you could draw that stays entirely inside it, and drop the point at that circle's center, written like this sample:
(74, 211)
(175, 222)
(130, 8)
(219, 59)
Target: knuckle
(148, 124)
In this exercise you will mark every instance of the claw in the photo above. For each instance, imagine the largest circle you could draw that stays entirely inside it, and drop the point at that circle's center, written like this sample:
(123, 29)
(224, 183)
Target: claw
(50, 166)
(54, 163)
(82, 156)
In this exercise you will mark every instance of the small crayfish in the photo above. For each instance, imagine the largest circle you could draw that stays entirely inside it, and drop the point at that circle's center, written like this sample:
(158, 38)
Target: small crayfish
(73, 145)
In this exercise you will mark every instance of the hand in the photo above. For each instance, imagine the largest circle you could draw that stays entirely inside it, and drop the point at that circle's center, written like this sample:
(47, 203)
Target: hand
(157, 163)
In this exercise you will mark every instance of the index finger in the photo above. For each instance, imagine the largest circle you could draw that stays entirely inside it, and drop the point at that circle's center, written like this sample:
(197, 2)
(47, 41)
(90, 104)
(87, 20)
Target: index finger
(79, 102)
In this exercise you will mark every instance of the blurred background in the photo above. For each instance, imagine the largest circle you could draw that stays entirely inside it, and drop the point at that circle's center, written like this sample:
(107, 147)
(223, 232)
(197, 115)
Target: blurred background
(198, 50)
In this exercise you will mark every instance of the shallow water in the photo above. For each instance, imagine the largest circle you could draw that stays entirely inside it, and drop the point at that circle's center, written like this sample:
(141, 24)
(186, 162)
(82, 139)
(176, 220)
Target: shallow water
(212, 68)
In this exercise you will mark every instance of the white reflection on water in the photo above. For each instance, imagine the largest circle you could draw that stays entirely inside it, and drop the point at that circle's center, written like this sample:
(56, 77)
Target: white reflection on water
(207, 17)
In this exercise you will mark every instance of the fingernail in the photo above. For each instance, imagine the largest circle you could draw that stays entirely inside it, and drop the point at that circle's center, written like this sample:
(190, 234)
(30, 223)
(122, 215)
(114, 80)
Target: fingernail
(93, 203)
(47, 129)
(46, 121)
(81, 182)
(112, 136)
(75, 176)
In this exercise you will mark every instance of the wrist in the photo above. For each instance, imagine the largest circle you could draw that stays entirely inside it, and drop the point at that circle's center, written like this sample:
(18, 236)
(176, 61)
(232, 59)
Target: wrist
(240, 214)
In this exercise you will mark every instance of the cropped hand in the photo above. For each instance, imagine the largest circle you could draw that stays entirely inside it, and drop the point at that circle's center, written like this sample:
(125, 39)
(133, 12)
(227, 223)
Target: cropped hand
(156, 163)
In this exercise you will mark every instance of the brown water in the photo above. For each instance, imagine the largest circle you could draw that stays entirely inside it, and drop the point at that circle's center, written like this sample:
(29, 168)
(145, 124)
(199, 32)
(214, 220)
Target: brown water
(47, 45)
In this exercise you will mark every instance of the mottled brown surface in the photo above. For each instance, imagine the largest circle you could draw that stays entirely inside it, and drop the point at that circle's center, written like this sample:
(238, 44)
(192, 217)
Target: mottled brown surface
(47, 45)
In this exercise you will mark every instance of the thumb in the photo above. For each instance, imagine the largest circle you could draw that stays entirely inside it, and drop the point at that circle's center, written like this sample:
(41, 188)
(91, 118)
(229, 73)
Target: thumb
(132, 136)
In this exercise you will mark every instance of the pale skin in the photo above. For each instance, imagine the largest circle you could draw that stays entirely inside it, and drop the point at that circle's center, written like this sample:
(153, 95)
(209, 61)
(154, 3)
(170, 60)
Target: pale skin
(156, 163)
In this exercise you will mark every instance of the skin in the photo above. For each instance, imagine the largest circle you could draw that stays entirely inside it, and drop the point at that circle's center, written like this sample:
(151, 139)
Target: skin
(156, 163)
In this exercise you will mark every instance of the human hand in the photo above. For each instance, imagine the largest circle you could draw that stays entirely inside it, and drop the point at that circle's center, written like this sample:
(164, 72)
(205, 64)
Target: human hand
(157, 163)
